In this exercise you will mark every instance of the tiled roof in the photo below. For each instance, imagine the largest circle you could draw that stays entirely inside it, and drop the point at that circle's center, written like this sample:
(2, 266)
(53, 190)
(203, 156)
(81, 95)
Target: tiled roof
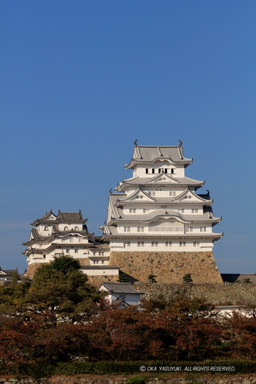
(121, 288)
(146, 181)
(62, 217)
(150, 153)
(111, 230)
(44, 219)
(146, 217)
(73, 217)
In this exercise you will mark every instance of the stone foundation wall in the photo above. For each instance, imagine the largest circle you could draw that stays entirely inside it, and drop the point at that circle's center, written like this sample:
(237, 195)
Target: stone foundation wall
(216, 294)
(32, 269)
(168, 267)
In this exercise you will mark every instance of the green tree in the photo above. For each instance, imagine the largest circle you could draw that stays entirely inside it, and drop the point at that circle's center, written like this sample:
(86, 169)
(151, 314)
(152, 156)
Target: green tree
(187, 278)
(152, 278)
(62, 289)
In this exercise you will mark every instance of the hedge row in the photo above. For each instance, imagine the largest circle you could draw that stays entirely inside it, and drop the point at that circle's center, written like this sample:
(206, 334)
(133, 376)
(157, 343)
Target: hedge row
(102, 368)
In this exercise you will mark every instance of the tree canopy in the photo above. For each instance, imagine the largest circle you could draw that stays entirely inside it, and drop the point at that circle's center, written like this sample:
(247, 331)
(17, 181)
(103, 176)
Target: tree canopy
(59, 287)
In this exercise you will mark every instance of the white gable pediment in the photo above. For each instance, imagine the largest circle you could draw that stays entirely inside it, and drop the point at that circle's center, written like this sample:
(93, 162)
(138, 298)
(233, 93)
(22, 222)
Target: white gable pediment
(162, 178)
(51, 217)
(188, 196)
(139, 196)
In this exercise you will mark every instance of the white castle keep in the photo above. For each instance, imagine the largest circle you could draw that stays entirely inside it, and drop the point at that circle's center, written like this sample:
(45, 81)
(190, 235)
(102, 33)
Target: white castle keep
(157, 224)
(158, 209)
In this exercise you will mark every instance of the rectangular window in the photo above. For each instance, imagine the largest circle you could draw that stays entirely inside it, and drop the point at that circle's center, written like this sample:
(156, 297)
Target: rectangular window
(170, 193)
(191, 229)
(153, 170)
(153, 193)
(67, 250)
(138, 229)
(172, 171)
(201, 229)
(144, 210)
(130, 210)
(168, 243)
(140, 243)
(165, 171)
(146, 170)
(134, 210)
(127, 244)
(159, 170)
(204, 229)
(180, 243)
(76, 250)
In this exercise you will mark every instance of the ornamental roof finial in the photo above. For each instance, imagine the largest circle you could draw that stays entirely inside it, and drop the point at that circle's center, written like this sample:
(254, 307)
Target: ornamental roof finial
(110, 191)
(135, 142)
(180, 143)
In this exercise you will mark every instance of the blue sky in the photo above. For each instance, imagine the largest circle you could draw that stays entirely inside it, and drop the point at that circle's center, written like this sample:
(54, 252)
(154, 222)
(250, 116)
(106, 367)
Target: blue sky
(80, 80)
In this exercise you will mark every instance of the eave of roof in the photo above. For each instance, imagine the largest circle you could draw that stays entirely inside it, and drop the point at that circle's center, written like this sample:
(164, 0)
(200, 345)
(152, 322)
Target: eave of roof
(125, 288)
(144, 236)
(148, 154)
(146, 182)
